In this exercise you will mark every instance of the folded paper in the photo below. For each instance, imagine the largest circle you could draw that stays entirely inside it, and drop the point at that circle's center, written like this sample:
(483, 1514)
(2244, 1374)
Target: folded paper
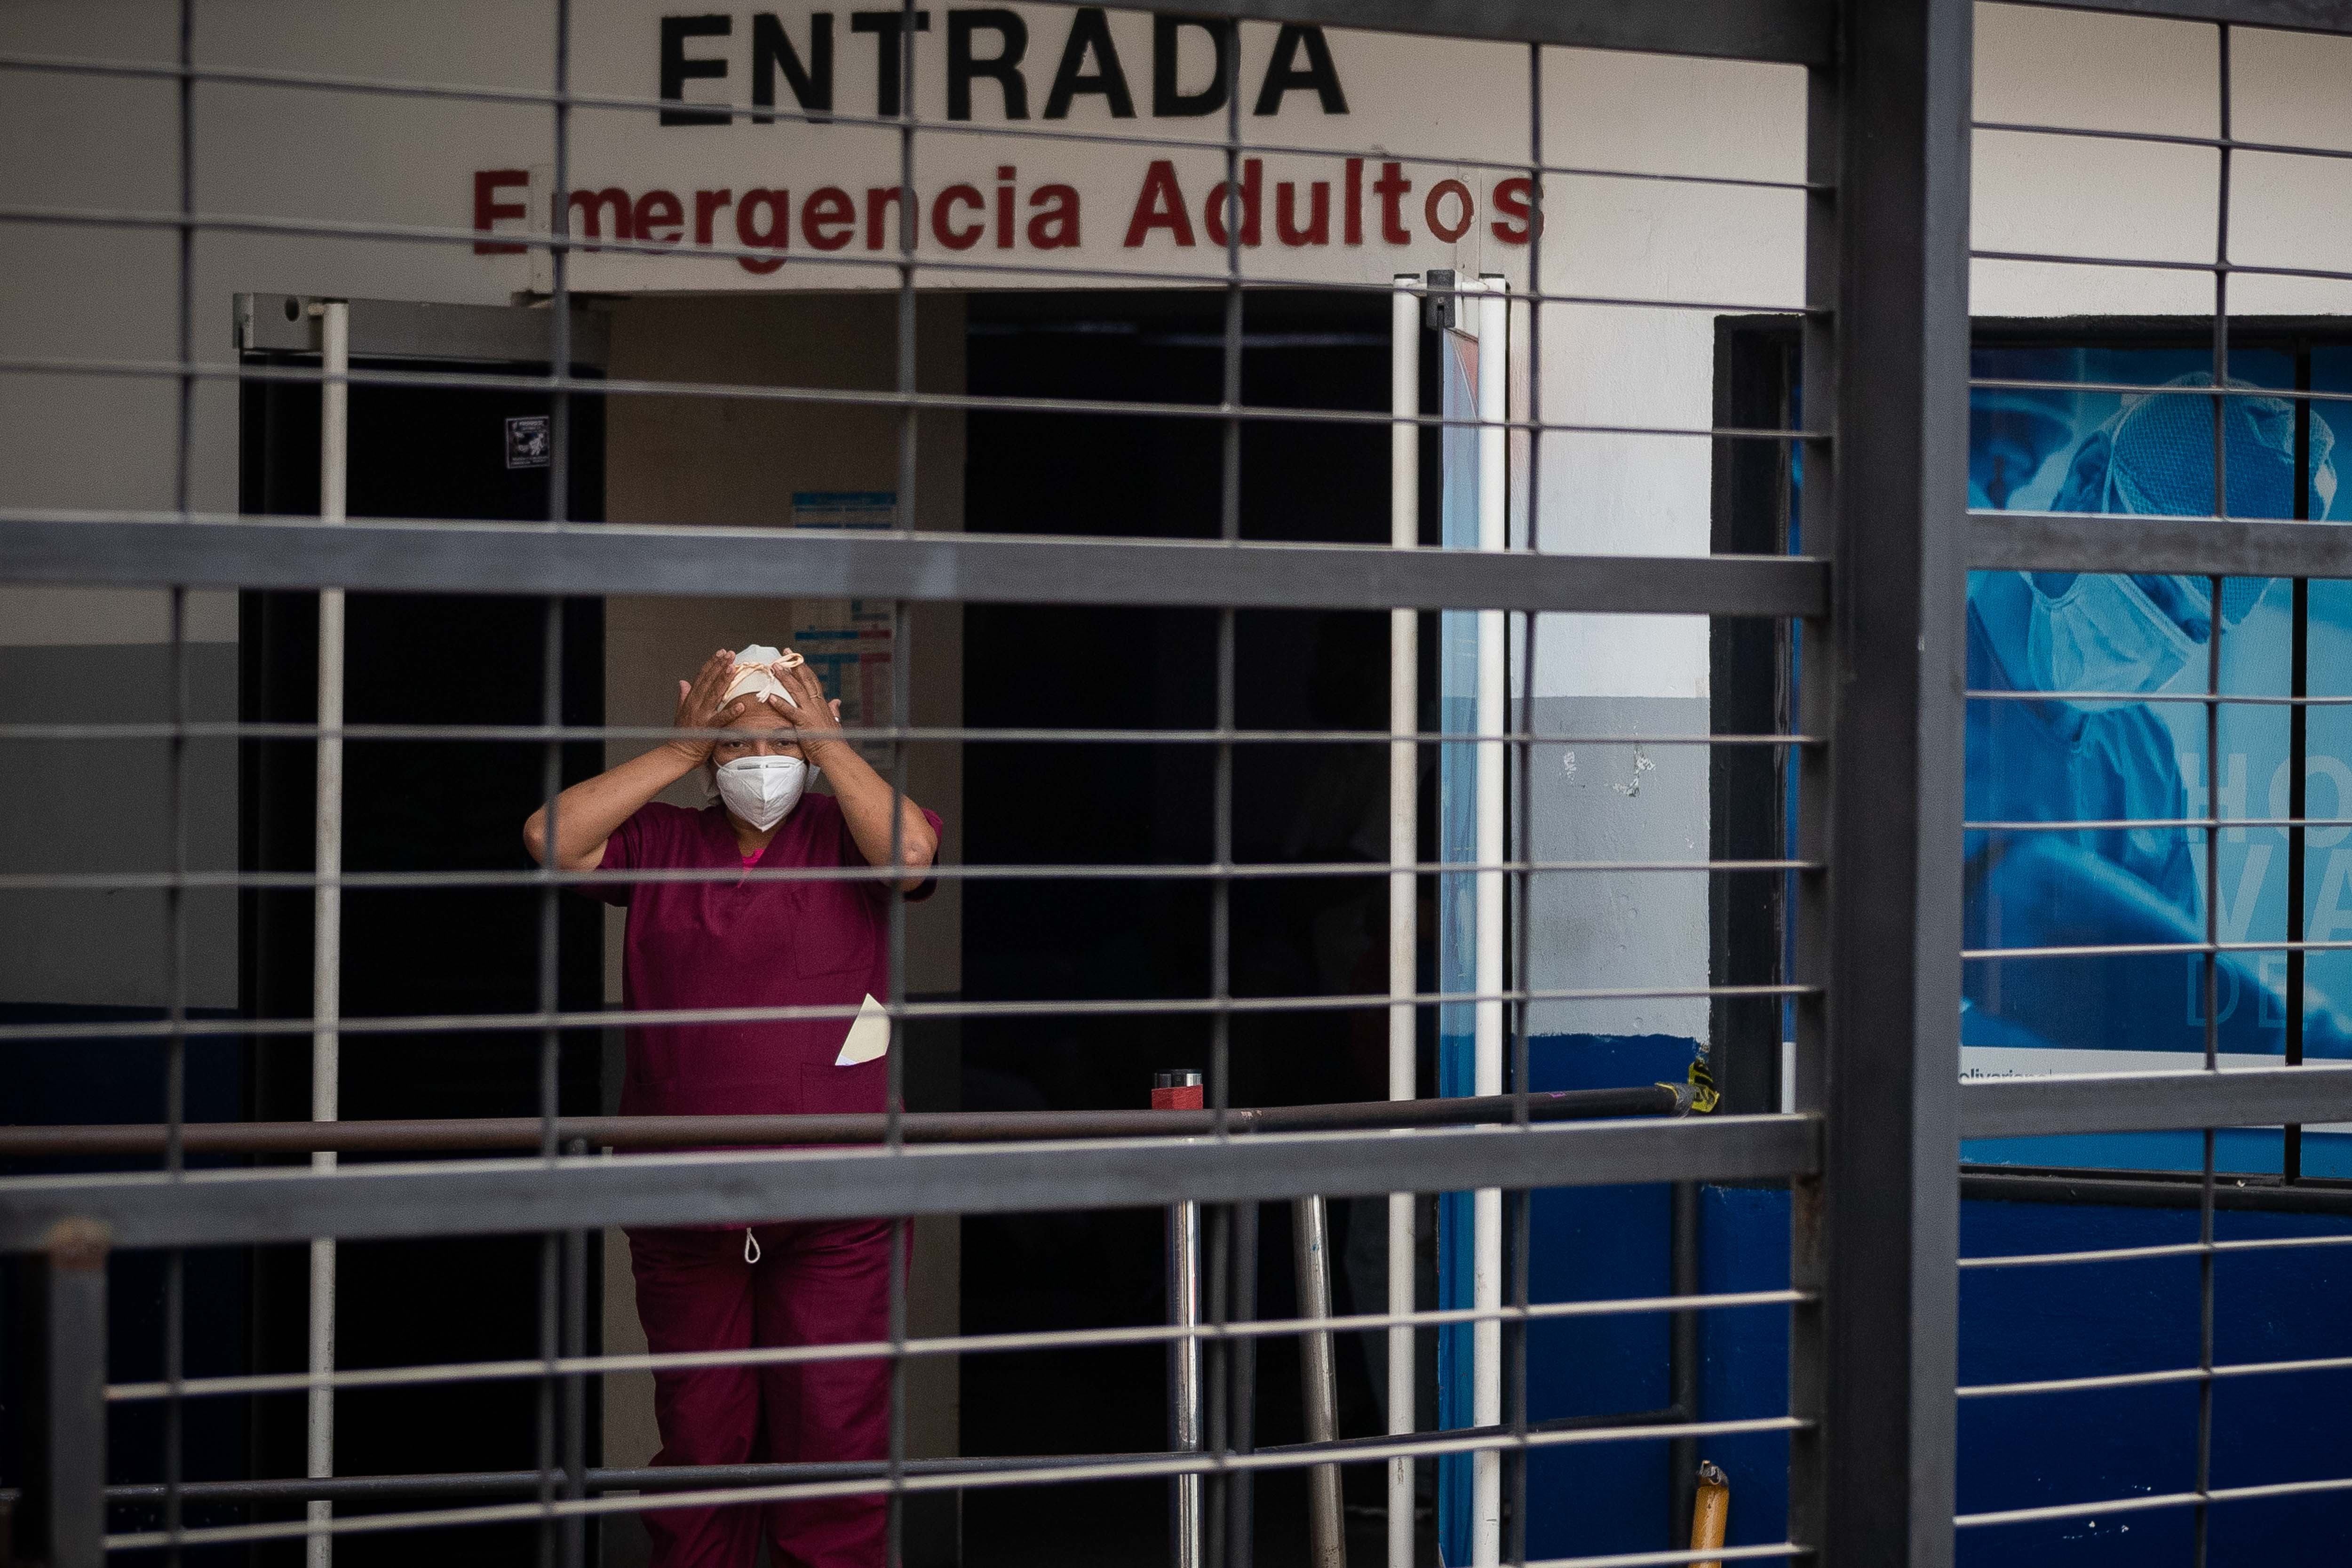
(870, 1036)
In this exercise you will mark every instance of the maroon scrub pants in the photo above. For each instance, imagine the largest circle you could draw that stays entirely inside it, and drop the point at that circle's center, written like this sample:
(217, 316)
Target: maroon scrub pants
(813, 1284)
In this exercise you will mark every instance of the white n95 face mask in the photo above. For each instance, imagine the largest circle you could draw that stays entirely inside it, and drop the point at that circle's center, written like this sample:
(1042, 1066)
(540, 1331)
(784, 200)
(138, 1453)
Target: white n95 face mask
(763, 791)
(2104, 634)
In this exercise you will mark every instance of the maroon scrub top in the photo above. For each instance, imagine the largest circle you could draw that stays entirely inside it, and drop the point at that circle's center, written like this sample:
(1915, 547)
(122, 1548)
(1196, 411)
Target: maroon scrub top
(747, 945)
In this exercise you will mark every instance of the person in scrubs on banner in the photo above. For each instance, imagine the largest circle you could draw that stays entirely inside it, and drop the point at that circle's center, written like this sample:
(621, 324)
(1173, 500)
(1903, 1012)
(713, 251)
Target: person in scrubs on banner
(734, 942)
(2107, 760)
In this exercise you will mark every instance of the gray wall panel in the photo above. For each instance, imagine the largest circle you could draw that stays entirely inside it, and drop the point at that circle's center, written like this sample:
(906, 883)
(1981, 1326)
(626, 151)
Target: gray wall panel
(1624, 801)
(104, 806)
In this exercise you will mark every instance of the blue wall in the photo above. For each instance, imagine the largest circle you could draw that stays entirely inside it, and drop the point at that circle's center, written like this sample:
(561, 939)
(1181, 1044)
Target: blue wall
(2066, 1320)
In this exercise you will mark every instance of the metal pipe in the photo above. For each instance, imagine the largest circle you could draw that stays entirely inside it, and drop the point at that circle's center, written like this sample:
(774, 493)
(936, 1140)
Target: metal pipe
(1494, 675)
(697, 1478)
(1682, 1341)
(1319, 1383)
(2092, 1188)
(629, 1132)
(1405, 853)
(1184, 1379)
(1182, 1087)
(1241, 1365)
(327, 898)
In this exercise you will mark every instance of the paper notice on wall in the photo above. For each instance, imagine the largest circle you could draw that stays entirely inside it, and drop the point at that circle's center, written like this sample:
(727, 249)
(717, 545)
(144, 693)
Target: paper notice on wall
(848, 641)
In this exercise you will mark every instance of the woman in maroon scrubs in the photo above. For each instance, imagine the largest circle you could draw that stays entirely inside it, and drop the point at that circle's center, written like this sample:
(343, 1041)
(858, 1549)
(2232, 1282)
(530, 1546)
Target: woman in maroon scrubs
(721, 943)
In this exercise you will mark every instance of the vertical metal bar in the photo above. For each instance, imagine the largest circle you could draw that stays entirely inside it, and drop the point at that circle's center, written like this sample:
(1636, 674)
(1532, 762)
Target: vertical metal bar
(573, 1340)
(901, 687)
(59, 1520)
(2203, 1519)
(1880, 1381)
(1241, 1368)
(175, 908)
(562, 1423)
(1318, 1382)
(2298, 801)
(1184, 1380)
(1216, 1228)
(1682, 1354)
(1233, 1505)
(176, 1070)
(2203, 1515)
(1494, 677)
(1810, 647)
(2298, 747)
(1521, 1210)
(327, 898)
(1188, 1545)
(1229, 528)
(1404, 852)
(551, 1319)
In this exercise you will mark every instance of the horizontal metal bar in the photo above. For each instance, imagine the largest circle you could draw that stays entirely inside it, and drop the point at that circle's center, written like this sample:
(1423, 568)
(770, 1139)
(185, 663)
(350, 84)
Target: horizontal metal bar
(2146, 1102)
(2142, 1504)
(436, 1373)
(2203, 547)
(2157, 264)
(1033, 133)
(516, 557)
(798, 260)
(1794, 32)
(2104, 950)
(640, 1133)
(697, 1478)
(853, 397)
(2291, 15)
(2148, 949)
(2199, 699)
(350, 1025)
(2081, 1385)
(2118, 823)
(2167, 389)
(2246, 1192)
(1277, 870)
(503, 1196)
(1709, 1554)
(2151, 1379)
(1103, 1468)
(2143, 1254)
(271, 729)
(2169, 139)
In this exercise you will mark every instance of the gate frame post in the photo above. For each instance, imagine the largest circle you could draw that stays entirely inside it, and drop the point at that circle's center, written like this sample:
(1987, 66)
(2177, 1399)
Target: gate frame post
(1874, 1358)
(59, 1520)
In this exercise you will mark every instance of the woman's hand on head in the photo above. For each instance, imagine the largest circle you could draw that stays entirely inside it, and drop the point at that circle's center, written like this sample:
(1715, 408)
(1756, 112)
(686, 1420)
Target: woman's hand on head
(815, 720)
(701, 704)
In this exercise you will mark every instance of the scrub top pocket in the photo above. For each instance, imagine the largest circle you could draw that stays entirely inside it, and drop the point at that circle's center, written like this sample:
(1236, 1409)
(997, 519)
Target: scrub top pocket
(844, 1092)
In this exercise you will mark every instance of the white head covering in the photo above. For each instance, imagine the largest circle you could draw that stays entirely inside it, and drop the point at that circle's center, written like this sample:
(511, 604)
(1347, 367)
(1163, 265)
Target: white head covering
(756, 668)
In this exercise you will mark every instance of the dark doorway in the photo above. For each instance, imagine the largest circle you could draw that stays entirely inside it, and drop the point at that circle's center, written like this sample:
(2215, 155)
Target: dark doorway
(1155, 477)
(414, 804)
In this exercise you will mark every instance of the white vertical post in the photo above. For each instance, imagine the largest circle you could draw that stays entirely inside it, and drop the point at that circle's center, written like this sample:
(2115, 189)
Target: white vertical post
(1404, 850)
(1184, 1387)
(1486, 1265)
(327, 900)
(1187, 1545)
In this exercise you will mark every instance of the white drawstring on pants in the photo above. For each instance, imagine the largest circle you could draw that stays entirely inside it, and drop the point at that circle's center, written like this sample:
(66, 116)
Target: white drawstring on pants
(751, 1245)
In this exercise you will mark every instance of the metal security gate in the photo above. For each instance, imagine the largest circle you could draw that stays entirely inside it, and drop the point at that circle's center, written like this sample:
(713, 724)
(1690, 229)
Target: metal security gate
(1869, 1152)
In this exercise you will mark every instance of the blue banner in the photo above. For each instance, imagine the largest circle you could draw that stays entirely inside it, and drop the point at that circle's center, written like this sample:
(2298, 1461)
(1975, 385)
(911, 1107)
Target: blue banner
(2121, 747)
